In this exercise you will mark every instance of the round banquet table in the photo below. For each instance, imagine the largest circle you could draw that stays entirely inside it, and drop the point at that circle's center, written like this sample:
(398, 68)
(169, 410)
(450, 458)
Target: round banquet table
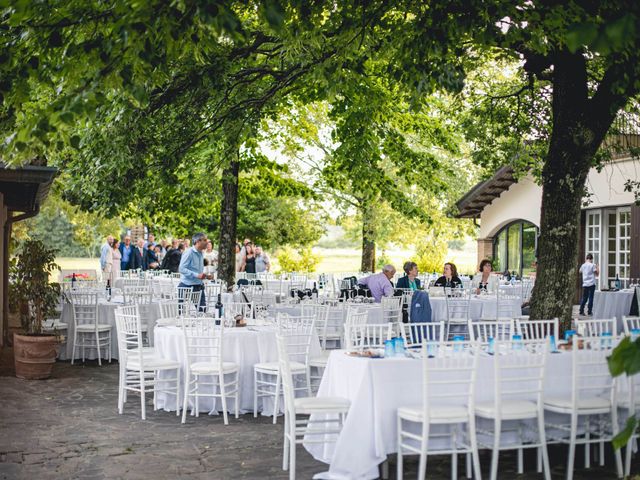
(244, 346)
(378, 387)
(612, 305)
(480, 306)
(106, 315)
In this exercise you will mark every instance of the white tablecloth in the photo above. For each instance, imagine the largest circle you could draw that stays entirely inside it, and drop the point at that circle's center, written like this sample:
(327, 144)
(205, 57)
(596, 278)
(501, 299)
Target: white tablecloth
(375, 310)
(244, 346)
(612, 304)
(479, 307)
(106, 315)
(377, 388)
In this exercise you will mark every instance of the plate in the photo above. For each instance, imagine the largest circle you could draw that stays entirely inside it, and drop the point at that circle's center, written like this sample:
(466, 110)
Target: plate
(365, 354)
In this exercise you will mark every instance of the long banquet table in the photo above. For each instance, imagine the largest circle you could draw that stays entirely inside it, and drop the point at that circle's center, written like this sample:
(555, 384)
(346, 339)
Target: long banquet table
(377, 388)
(244, 346)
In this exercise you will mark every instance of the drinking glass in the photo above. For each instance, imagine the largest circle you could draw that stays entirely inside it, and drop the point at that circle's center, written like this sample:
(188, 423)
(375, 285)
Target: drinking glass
(517, 342)
(389, 349)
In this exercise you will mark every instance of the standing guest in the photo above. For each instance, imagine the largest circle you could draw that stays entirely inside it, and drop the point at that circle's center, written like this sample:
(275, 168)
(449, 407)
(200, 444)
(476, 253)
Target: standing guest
(589, 272)
(238, 257)
(210, 257)
(187, 243)
(482, 278)
(263, 263)
(172, 259)
(249, 260)
(126, 249)
(151, 242)
(139, 259)
(192, 266)
(117, 257)
(410, 279)
(107, 269)
(152, 258)
(246, 242)
(450, 277)
(380, 283)
(104, 251)
(163, 246)
(160, 253)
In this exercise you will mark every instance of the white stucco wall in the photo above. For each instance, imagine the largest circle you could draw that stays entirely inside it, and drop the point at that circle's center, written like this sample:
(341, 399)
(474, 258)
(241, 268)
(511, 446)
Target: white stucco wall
(521, 201)
(607, 186)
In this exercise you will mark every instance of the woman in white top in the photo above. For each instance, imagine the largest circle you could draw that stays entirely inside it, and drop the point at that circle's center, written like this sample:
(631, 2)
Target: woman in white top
(482, 278)
(115, 256)
(239, 258)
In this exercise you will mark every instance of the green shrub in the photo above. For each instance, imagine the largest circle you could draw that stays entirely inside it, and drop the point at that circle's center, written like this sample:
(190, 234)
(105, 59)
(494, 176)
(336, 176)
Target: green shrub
(431, 258)
(301, 260)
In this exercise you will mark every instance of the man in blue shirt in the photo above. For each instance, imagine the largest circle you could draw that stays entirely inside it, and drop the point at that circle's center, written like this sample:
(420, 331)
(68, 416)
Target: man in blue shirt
(192, 266)
(126, 249)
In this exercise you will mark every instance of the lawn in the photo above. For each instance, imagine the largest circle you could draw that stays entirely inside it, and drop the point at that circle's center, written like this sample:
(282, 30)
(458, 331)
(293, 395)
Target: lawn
(333, 260)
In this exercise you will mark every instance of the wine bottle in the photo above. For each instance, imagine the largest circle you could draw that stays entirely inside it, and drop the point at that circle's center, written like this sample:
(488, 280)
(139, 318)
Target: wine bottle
(218, 307)
(617, 282)
(108, 289)
(73, 281)
(314, 291)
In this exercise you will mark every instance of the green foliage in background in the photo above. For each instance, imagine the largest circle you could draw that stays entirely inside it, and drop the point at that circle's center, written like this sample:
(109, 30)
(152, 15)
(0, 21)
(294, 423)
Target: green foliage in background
(300, 260)
(625, 360)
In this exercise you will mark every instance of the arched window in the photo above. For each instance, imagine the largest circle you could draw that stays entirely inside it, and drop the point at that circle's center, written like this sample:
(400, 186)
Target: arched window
(514, 247)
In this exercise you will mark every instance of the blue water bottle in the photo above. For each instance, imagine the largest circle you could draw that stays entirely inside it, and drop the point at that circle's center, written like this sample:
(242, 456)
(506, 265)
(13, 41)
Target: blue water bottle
(399, 346)
(552, 343)
(491, 346)
(389, 350)
(517, 342)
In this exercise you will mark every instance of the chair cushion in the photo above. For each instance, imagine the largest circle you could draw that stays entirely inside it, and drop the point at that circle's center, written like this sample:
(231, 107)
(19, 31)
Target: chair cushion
(589, 403)
(205, 368)
(90, 328)
(296, 367)
(151, 363)
(321, 404)
(509, 410)
(437, 414)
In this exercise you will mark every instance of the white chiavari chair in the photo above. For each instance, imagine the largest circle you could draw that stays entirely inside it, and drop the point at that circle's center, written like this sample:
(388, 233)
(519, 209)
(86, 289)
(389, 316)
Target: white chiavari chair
(267, 380)
(139, 365)
(592, 394)
(448, 393)
(597, 327)
(518, 397)
(415, 333)
(189, 301)
(630, 323)
(457, 316)
(500, 330)
(203, 347)
(87, 332)
(538, 329)
(330, 412)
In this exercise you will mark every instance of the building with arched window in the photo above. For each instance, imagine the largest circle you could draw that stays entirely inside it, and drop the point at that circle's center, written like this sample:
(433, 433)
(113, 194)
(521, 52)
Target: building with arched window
(508, 211)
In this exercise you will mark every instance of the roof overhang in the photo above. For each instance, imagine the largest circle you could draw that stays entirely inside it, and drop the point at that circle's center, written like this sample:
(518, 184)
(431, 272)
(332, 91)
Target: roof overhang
(25, 188)
(476, 199)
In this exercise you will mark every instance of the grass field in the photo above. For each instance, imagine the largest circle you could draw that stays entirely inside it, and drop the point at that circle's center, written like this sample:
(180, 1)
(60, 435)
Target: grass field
(333, 260)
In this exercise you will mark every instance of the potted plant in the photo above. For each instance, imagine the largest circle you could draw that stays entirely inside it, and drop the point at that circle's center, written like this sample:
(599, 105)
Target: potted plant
(33, 298)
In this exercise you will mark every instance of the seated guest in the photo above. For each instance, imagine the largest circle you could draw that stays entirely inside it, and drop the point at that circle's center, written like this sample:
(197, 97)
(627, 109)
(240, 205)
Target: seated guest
(380, 283)
(409, 280)
(481, 279)
(450, 277)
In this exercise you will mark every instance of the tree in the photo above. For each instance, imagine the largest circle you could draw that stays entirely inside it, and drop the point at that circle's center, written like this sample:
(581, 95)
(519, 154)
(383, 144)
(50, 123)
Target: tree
(584, 55)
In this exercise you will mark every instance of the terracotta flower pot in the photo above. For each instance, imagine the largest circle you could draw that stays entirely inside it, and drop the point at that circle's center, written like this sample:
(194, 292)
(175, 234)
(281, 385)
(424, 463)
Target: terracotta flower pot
(34, 355)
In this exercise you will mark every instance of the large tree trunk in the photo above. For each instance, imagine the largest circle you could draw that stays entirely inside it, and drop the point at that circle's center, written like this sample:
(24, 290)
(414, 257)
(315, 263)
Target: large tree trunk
(368, 263)
(575, 138)
(228, 223)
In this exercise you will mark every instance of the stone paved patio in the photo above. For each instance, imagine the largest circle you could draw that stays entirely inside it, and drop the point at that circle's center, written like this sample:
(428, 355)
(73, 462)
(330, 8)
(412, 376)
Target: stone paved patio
(68, 427)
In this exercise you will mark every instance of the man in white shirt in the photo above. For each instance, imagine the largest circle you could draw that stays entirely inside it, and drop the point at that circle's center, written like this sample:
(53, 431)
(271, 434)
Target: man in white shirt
(589, 272)
(263, 264)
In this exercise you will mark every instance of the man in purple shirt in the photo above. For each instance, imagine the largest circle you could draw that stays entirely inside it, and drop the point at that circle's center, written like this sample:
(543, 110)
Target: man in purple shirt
(380, 283)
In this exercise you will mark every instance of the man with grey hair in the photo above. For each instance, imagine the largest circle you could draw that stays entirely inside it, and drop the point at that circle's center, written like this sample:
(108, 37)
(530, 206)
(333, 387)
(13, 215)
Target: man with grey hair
(104, 250)
(192, 267)
(380, 283)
